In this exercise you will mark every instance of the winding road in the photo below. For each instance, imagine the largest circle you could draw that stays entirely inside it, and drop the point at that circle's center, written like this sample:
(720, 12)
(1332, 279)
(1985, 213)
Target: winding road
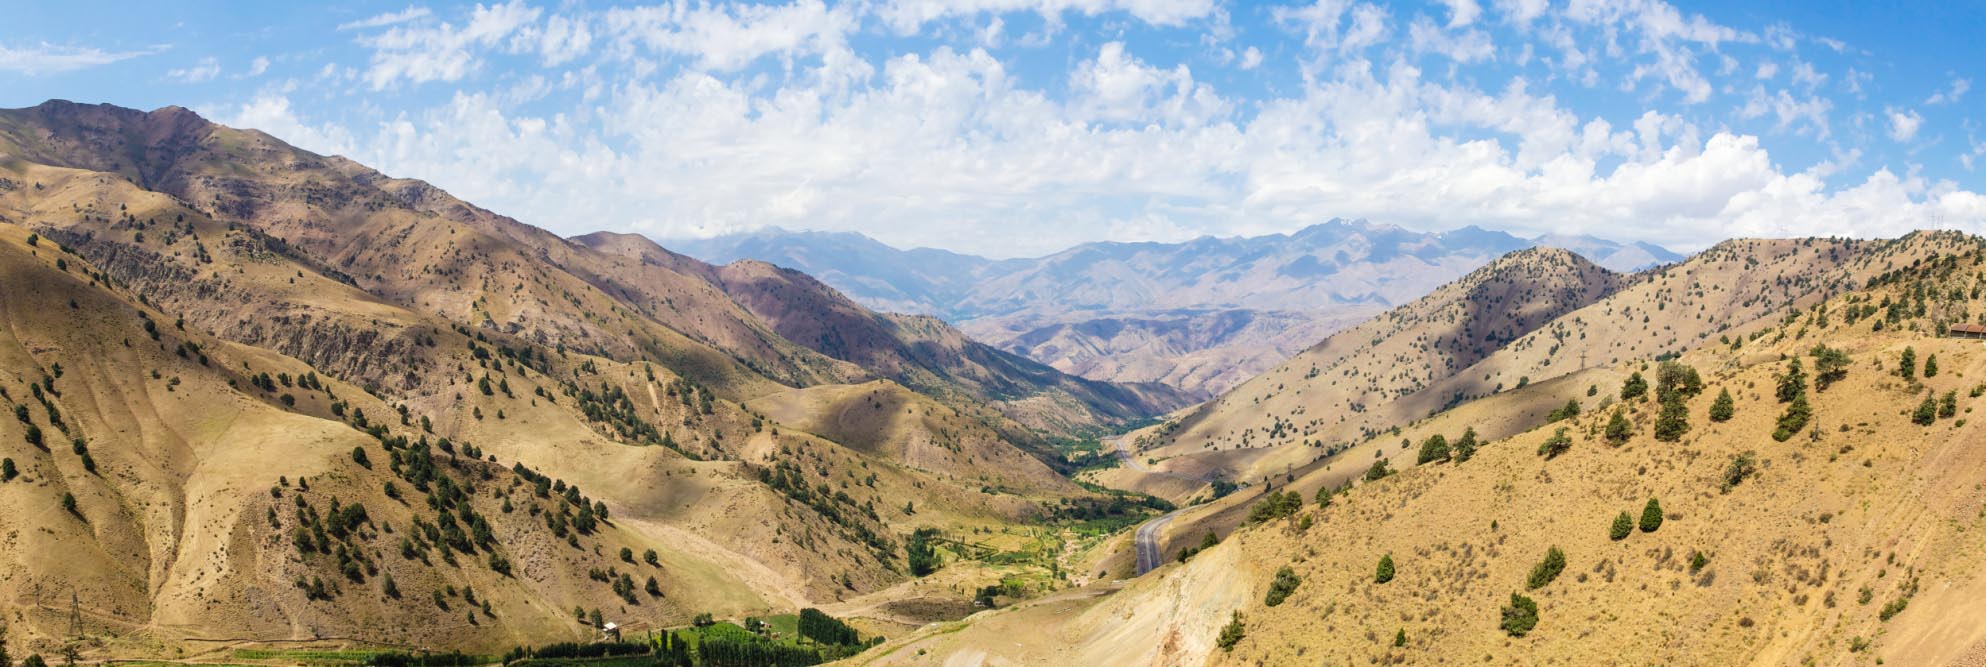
(1146, 540)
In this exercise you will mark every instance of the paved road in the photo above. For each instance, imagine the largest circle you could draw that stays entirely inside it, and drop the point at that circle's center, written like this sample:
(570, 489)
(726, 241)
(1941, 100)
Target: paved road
(1146, 540)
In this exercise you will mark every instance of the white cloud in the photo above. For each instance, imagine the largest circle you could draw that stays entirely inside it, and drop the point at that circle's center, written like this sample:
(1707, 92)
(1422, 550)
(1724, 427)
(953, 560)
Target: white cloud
(907, 16)
(1251, 58)
(1767, 70)
(1951, 94)
(729, 37)
(1335, 25)
(1903, 123)
(1463, 46)
(441, 52)
(258, 67)
(1462, 12)
(411, 13)
(50, 59)
(205, 70)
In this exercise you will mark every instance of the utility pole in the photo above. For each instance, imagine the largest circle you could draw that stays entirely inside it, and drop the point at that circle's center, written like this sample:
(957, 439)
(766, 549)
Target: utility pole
(75, 615)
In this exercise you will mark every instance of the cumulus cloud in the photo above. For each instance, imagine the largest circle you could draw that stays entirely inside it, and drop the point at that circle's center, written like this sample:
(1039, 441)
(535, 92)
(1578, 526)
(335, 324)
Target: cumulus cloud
(1950, 94)
(688, 118)
(1903, 123)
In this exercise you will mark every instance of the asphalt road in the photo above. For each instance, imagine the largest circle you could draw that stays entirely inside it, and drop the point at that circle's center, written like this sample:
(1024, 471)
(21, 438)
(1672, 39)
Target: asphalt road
(1146, 540)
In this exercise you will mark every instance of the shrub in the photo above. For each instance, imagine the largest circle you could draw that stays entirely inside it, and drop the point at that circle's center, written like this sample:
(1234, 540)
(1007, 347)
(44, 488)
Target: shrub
(1947, 406)
(1619, 429)
(1465, 447)
(1651, 516)
(1555, 445)
(1567, 411)
(1931, 366)
(1623, 524)
(1906, 367)
(1385, 572)
(1742, 466)
(1724, 408)
(1634, 387)
(1927, 412)
(1377, 471)
(1232, 633)
(1697, 559)
(1546, 570)
(1275, 505)
(1434, 448)
(1280, 588)
(1520, 616)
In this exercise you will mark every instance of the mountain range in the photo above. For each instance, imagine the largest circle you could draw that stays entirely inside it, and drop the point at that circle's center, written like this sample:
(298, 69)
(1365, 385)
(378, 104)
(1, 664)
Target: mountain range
(1199, 315)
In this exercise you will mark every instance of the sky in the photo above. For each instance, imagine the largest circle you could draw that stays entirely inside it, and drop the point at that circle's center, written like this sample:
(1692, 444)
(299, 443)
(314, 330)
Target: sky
(1020, 127)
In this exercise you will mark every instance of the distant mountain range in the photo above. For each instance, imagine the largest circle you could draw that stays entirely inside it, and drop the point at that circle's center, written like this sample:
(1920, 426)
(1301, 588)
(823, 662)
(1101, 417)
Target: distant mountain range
(1200, 315)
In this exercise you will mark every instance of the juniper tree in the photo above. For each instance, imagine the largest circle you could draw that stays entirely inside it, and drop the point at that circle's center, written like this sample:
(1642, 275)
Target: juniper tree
(1634, 387)
(1906, 367)
(1623, 524)
(1724, 408)
(1546, 570)
(1927, 412)
(1793, 419)
(1793, 383)
(1931, 366)
(1619, 429)
(1385, 572)
(1673, 421)
(1651, 516)
(1520, 616)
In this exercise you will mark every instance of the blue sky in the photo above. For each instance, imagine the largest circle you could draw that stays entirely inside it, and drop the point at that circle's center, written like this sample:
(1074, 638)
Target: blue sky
(1014, 127)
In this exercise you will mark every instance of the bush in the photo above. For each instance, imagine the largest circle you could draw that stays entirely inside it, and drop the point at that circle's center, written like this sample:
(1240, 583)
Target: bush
(1465, 447)
(1275, 505)
(1634, 387)
(1434, 448)
(1555, 445)
(1232, 633)
(1651, 516)
(1619, 429)
(1546, 570)
(1385, 572)
(1927, 412)
(1378, 471)
(1742, 466)
(1567, 411)
(1520, 616)
(1623, 524)
(1280, 588)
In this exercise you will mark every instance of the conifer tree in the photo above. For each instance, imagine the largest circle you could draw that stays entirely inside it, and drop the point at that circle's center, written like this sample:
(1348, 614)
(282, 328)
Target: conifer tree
(1623, 524)
(1724, 408)
(1906, 367)
(1651, 516)
(1385, 572)
(1635, 387)
(1619, 429)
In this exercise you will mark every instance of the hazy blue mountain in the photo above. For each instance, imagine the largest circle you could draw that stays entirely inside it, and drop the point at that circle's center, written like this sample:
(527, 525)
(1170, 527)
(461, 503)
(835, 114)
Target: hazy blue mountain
(1134, 311)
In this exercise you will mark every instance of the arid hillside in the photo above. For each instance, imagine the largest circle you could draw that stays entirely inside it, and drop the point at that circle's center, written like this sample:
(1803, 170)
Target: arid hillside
(254, 385)
(1803, 491)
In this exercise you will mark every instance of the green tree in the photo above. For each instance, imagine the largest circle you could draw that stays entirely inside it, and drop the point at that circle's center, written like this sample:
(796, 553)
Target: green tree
(1948, 405)
(1635, 387)
(1385, 572)
(1793, 419)
(1673, 421)
(7, 470)
(1434, 448)
(1400, 638)
(1465, 446)
(359, 457)
(923, 557)
(1724, 408)
(1675, 378)
(1931, 366)
(1520, 616)
(1830, 365)
(1793, 383)
(69, 503)
(1906, 367)
(1927, 412)
(1623, 524)
(1651, 516)
(1546, 570)
(1553, 446)
(1619, 429)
